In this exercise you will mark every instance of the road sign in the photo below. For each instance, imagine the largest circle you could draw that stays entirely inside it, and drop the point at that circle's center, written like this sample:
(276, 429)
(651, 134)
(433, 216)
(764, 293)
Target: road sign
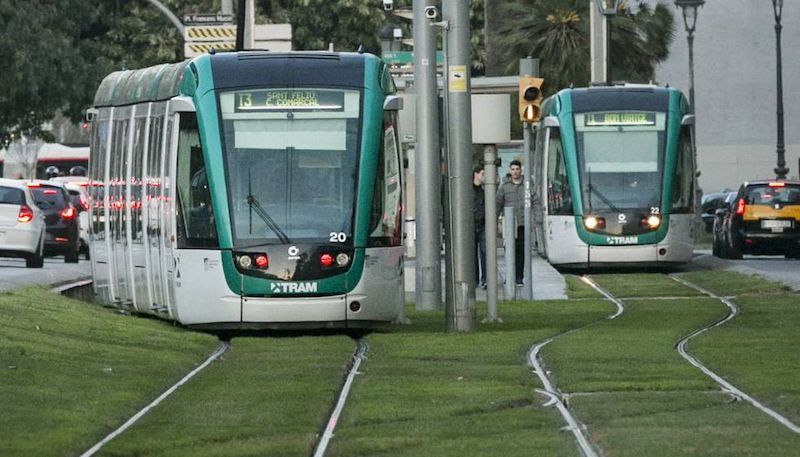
(196, 19)
(407, 57)
(200, 39)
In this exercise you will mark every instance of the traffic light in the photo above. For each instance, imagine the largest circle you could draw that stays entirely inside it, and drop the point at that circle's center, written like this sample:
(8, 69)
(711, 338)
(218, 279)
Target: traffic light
(530, 97)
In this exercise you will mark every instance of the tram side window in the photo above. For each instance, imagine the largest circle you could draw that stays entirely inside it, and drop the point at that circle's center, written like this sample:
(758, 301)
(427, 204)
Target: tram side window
(196, 225)
(385, 216)
(559, 198)
(97, 176)
(683, 185)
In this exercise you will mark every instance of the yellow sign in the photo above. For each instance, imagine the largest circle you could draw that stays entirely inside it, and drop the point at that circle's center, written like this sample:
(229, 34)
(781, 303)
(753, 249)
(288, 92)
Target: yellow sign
(210, 33)
(195, 49)
(457, 78)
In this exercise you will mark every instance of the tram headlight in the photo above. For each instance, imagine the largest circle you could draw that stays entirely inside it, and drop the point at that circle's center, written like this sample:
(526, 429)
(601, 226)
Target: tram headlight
(653, 221)
(245, 261)
(342, 259)
(594, 222)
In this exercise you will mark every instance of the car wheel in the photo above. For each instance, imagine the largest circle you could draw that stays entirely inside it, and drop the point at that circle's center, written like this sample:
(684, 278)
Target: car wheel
(715, 247)
(735, 249)
(36, 260)
(71, 256)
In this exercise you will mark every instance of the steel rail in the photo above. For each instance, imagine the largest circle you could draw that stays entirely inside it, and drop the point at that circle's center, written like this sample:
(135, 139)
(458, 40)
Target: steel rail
(556, 396)
(358, 357)
(221, 350)
(733, 311)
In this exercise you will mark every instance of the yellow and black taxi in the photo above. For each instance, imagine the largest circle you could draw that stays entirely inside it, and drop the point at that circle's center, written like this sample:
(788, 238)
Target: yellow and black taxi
(763, 219)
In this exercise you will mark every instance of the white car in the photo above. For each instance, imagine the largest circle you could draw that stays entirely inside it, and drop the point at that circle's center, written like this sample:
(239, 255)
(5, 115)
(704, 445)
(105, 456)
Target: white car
(22, 225)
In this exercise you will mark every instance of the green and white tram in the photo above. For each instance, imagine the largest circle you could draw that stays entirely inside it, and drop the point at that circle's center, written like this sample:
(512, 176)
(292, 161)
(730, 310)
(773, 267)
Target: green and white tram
(249, 190)
(614, 177)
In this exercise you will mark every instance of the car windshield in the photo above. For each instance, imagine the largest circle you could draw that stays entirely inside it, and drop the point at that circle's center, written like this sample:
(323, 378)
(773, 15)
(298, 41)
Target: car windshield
(620, 159)
(291, 158)
(773, 193)
(48, 197)
(11, 196)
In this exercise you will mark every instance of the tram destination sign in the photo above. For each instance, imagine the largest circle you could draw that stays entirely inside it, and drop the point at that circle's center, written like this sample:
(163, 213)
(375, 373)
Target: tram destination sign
(617, 118)
(289, 100)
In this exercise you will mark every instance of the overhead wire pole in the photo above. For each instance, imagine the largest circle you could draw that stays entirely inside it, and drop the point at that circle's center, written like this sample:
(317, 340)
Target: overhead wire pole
(427, 184)
(460, 309)
(172, 17)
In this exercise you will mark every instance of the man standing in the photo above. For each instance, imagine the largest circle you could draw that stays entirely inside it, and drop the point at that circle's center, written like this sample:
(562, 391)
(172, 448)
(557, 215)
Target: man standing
(512, 193)
(479, 214)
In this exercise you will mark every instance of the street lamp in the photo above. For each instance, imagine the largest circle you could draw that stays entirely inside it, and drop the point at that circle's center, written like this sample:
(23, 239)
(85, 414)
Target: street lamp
(781, 170)
(689, 9)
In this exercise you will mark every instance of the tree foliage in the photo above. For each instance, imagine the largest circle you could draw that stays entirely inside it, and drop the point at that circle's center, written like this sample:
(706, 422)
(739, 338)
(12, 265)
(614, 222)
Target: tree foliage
(557, 33)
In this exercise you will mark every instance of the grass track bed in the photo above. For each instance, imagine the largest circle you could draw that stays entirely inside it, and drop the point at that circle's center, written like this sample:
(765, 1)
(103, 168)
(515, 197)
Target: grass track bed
(266, 397)
(423, 392)
(71, 372)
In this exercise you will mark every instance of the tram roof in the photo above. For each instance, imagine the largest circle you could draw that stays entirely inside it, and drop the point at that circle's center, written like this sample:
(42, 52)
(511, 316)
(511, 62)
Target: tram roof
(162, 82)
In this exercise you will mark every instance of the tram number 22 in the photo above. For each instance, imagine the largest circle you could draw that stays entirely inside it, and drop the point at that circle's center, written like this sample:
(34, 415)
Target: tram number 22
(338, 237)
(655, 210)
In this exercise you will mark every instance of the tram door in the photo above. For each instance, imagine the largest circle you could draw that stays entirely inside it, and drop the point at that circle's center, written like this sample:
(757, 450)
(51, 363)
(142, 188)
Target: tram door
(158, 142)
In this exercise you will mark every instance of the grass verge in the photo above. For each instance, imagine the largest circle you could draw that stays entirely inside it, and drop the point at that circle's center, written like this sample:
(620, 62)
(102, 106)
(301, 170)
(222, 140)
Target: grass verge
(424, 392)
(266, 397)
(71, 372)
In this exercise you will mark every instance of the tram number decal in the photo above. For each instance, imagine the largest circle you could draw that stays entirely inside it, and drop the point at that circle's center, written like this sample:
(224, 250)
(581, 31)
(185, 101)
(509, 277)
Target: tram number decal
(655, 210)
(622, 240)
(338, 237)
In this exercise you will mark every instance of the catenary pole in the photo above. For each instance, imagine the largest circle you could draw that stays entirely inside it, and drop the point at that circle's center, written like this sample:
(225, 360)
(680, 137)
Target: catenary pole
(460, 310)
(166, 12)
(427, 184)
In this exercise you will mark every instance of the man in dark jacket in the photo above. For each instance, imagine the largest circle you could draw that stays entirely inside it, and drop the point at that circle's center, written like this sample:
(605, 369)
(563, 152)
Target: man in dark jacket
(512, 193)
(479, 214)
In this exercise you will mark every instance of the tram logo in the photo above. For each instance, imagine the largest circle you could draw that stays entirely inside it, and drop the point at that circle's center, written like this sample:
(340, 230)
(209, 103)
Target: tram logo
(621, 240)
(622, 218)
(294, 252)
(293, 287)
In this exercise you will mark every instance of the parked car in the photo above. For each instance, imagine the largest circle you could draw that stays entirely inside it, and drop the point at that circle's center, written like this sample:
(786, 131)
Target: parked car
(763, 219)
(61, 217)
(709, 204)
(22, 224)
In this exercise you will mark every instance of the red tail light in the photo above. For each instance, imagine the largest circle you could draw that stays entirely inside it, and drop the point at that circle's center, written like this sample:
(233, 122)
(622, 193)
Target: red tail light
(25, 213)
(326, 260)
(68, 213)
(740, 207)
(262, 261)
(777, 184)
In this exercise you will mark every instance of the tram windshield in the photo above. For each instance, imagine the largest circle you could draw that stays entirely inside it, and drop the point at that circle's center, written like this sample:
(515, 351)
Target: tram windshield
(620, 158)
(291, 158)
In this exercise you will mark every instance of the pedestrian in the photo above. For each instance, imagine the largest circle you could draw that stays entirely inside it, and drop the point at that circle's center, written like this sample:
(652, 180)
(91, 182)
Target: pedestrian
(479, 214)
(512, 193)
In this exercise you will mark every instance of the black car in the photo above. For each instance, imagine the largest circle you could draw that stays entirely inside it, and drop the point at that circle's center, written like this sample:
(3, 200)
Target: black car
(62, 234)
(762, 219)
(709, 205)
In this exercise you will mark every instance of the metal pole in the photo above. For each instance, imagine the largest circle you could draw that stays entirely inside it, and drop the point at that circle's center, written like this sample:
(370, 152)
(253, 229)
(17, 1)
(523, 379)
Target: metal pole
(527, 67)
(249, 25)
(427, 185)
(596, 46)
(227, 7)
(460, 312)
(240, 24)
(509, 233)
(781, 170)
(490, 193)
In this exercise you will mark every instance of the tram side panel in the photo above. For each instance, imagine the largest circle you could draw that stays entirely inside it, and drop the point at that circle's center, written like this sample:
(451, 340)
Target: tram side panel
(101, 143)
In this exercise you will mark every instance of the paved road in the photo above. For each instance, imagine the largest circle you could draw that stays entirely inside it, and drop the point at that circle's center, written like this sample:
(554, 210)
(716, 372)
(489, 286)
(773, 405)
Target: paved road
(13, 273)
(771, 267)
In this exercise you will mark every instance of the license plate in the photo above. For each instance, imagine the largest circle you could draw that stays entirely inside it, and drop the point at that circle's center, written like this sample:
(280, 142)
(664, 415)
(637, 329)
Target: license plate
(773, 224)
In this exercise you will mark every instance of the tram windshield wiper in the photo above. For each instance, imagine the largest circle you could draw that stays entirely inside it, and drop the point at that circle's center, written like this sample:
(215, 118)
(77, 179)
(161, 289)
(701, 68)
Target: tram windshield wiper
(254, 204)
(593, 190)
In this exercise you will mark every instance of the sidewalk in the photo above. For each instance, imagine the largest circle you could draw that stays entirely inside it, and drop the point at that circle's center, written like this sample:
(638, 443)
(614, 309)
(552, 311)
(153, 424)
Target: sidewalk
(548, 283)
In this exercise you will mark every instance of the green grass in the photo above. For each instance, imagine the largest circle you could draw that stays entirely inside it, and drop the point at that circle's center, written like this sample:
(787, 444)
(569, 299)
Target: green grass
(71, 372)
(577, 289)
(642, 285)
(266, 397)
(424, 392)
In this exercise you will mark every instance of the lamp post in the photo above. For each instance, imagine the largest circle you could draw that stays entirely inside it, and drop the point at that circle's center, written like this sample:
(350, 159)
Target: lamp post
(607, 8)
(689, 9)
(781, 170)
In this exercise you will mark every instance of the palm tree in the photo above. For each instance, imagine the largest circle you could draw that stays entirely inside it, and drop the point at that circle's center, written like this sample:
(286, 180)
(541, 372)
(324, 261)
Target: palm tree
(557, 33)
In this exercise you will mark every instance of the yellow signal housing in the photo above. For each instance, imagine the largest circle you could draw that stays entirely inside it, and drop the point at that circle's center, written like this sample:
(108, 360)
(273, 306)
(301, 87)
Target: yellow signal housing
(530, 98)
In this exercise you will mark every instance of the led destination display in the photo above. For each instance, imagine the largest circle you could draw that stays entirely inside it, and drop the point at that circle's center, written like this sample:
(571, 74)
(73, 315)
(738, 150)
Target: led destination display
(619, 118)
(290, 100)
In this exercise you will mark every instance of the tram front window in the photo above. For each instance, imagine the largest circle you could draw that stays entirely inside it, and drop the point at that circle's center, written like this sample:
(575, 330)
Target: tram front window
(291, 158)
(621, 158)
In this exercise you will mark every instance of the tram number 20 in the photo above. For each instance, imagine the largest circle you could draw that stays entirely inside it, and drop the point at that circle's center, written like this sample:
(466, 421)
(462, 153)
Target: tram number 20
(338, 237)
